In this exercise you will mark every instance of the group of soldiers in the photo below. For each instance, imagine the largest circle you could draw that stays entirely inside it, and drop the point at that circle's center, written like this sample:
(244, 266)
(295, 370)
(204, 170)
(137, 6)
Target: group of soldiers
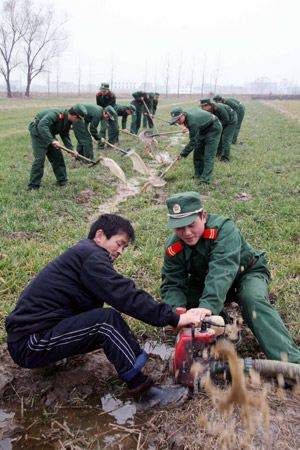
(144, 104)
(56, 121)
(207, 261)
(213, 129)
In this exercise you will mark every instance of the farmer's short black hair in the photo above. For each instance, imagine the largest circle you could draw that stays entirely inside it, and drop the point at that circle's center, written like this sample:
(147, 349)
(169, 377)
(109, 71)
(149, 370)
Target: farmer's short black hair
(112, 224)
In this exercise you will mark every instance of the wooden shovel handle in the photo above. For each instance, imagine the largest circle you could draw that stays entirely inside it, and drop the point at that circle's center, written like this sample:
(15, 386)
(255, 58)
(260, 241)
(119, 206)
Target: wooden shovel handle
(73, 154)
(117, 148)
(168, 168)
(149, 115)
(130, 134)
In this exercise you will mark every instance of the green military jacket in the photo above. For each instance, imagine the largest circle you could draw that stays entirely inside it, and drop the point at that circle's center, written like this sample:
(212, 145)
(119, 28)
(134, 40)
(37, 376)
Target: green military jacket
(197, 121)
(220, 257)
(108, 99)
(121, 111)
(154, 106)
(50, 123)
(224, 113)
(232, 102)
(93, 118)
(138, 97)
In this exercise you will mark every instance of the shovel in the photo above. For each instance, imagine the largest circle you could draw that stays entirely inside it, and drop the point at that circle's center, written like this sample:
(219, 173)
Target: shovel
(157, 181)
(146, 142)
(149, 134)
(138, 163)
(107, 162)
(163, 120)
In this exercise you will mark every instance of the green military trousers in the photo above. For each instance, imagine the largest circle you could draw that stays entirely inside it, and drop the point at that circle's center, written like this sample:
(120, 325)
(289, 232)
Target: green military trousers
(113, 131)
(102, 132)
(136, 117)
(240, 114)
(205, 152)
(251, 292)
(84, 140)
(40, 151)
(147, 121)
(226, 140)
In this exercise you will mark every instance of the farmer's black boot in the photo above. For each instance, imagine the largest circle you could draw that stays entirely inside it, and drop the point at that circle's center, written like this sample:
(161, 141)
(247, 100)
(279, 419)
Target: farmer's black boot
(159, 396)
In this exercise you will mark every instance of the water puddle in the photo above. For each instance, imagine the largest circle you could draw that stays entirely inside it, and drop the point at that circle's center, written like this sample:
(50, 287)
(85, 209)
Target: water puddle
(162, 350)
(124, 190)
(106, 422)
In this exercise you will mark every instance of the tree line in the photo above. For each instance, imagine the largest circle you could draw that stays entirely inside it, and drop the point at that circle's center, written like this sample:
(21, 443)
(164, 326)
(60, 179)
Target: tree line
(31, 36)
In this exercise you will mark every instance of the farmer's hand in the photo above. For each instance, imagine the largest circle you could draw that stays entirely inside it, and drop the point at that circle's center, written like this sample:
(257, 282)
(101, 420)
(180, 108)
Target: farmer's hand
(191, 316)
(204, 312)
(194, 315)
(56, 144)
(179, 157)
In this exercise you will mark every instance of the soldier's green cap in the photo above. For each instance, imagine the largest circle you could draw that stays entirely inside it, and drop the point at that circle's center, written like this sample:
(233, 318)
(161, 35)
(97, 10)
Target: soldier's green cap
(157, 93)
(131, 108)
(110, 111)
(104, 86)
(205, 101)
(217, 98)
(183, 209)
(80, 110)
(175, 113)
(151, 95)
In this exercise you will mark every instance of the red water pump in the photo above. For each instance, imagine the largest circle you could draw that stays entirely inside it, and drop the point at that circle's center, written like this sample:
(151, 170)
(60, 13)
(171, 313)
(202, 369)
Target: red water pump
(193, 345)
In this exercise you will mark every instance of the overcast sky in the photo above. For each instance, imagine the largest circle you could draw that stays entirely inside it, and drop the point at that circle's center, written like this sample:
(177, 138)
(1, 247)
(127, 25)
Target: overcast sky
(243, 40)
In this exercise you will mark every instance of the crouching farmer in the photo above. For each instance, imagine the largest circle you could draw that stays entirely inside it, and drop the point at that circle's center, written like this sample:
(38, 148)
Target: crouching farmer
(61, 312)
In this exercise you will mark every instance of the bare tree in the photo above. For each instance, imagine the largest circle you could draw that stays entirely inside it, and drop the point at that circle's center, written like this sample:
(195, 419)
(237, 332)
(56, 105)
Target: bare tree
(203, 75)
(44, 39)
(217, 73)
(179, 74)
(112, 70)
(145, 78)
(192, 77)
(11, 31)
(168, 69)
(79, 79)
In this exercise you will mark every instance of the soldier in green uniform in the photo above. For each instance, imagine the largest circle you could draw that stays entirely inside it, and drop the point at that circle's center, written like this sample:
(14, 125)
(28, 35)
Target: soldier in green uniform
(147, 119)
(239, 109)
(47, 124)
(104, 98)
(155, 102)
(85, 129)
(228, 120)
(205, 132)
(208, 262)
(138, 103)
(124, 111)
(113, 125)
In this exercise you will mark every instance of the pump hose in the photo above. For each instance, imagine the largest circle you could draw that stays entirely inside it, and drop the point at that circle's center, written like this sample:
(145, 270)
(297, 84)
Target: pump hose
(270, 368)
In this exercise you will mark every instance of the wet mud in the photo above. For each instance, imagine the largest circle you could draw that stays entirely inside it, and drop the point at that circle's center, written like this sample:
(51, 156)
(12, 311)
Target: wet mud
(84, 405)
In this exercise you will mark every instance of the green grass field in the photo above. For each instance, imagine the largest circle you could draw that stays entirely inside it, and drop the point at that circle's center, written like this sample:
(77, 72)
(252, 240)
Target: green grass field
(36, 227)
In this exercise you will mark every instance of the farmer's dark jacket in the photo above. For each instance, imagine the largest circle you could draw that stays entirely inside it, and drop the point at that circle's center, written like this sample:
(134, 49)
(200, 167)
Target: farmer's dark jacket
(79, 280)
